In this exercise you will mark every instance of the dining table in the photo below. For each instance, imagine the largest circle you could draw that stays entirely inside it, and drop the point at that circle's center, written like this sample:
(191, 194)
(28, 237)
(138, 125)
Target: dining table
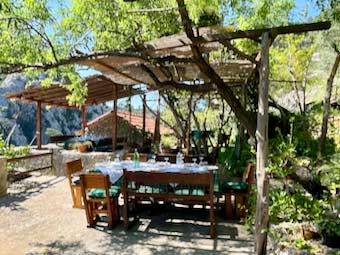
(114, 169)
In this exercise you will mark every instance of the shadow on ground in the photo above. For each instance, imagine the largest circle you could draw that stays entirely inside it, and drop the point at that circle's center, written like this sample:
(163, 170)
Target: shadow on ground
(169, 231)
(26, 189)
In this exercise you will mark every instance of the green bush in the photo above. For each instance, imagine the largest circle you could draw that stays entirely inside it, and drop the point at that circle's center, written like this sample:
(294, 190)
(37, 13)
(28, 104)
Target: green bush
(12, 151)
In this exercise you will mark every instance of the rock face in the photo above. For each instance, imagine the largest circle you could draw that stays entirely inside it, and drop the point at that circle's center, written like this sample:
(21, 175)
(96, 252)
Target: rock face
(24, 115)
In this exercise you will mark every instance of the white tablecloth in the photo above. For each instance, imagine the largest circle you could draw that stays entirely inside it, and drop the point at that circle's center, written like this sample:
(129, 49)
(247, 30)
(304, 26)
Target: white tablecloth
(115, 169)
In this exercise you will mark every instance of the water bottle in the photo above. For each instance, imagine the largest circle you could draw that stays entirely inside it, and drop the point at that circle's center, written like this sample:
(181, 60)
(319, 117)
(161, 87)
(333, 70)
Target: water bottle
(136, 159)
(178, 158)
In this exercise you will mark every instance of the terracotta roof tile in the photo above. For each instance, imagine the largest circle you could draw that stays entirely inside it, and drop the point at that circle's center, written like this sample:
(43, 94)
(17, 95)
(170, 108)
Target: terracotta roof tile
(136, 120)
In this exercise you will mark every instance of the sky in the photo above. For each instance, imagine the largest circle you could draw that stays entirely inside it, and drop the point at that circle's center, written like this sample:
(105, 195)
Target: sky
(300, 7)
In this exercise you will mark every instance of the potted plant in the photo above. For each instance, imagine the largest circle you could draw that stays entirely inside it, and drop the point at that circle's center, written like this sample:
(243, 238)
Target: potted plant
(84, 146)
(329, 228)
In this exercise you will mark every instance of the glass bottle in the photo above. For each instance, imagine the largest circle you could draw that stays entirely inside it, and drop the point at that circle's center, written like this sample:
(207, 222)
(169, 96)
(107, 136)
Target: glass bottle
(136, 159)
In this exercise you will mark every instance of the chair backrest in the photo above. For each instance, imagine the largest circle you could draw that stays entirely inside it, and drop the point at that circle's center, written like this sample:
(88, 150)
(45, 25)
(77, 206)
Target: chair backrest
(73, 167)
(142, 156)
(95, 181)
(248, 175)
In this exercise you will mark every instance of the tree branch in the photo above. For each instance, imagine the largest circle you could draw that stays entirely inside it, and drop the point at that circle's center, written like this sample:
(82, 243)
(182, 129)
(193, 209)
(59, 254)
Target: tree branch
(164, 121)
(202, 88)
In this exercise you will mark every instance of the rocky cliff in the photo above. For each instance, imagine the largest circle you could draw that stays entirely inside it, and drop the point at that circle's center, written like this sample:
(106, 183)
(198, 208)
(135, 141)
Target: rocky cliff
(23, 116)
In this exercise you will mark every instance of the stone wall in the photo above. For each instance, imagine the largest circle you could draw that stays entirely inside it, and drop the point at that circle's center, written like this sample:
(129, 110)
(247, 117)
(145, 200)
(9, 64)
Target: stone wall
(60, 157)
(3, 177)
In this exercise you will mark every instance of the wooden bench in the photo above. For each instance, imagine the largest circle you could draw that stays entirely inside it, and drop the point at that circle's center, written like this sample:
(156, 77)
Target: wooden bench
(197, 188)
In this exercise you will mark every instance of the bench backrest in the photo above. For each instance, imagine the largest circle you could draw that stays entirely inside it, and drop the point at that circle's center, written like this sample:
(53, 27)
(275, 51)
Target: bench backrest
(165, 180)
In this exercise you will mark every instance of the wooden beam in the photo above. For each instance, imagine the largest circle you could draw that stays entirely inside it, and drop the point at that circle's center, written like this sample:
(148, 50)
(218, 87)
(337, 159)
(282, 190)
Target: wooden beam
(83, 120)
(144, 113)
(114, 118)
(262, 205)
(38, 131)
(256, 33)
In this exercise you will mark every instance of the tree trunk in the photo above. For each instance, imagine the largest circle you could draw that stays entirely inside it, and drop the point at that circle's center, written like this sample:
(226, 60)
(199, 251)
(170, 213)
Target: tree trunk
(243, 116)
(188, 128)
(175, 113)
(308, 181)
(262, 205)
(114, 118)
(327, 105)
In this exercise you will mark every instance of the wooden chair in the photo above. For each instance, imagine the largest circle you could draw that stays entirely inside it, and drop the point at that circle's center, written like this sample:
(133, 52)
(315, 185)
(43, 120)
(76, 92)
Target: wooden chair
(240, 191)
(143, 157)
(99, 198)
(72, 168)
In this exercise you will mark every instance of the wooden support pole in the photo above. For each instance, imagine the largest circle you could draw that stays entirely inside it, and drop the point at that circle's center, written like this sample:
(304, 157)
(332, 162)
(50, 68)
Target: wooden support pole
(262, 205)
(83, 120)
(144, 113)
(114, 118)
(157, 135)
(38, 131)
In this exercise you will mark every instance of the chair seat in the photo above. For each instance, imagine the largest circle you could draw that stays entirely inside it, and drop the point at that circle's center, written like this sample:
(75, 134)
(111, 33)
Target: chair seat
(94, 171)
(236, 186)
(76, 181)
(195, 192)
(100, 193)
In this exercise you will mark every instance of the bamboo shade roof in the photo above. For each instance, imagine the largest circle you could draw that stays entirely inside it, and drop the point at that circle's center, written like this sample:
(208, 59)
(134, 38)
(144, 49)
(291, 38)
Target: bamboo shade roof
(168, 58)
(100, 89)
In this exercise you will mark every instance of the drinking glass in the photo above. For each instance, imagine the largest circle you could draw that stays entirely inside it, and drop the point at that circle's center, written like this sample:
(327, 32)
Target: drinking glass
(166, 160)
(201, 160)
(194, 160)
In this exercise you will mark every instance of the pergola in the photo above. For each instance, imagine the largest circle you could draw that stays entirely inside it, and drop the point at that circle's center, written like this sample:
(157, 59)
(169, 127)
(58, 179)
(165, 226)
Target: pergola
(100, 89)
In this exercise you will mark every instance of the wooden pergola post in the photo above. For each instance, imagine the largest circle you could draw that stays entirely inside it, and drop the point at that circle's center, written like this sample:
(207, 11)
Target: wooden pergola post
(144, 113)
(262, 206)
(83, 120)
(114, 118)
(157, 135)
(38, 131)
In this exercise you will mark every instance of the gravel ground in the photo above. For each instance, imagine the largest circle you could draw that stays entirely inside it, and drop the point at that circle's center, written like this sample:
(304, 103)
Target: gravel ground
(36, 217)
